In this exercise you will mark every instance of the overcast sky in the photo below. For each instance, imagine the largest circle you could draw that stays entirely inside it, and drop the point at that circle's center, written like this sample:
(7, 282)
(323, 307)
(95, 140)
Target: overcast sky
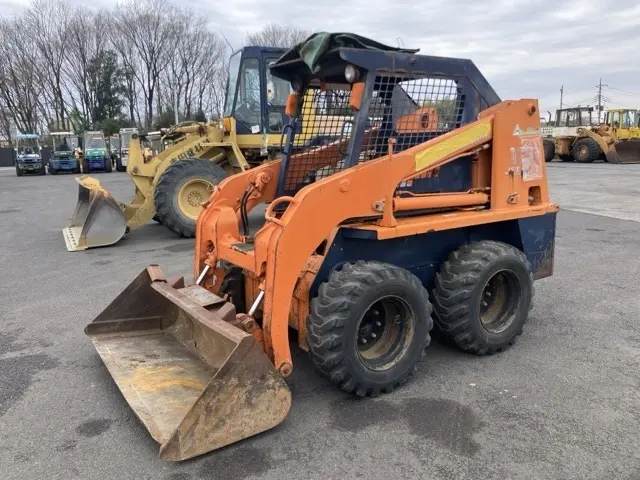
(526, 48)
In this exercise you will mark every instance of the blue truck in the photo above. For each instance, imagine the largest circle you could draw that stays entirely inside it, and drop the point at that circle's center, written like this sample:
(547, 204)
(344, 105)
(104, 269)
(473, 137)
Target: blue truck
(62, 158)
(28, 155)
(96, 155)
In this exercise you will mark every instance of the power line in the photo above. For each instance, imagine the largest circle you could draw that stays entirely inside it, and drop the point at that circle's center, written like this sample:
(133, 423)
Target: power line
(625, 92)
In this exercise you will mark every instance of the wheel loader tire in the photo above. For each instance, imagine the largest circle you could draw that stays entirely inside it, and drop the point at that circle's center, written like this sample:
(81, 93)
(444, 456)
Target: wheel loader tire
(369, 327)
(156, 219)
(482, 296)
(585, 150)
(178, 207)
(549, 150)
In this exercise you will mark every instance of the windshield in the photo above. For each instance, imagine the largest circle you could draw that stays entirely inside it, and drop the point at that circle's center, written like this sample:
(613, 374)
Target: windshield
(630, 119)
(247, 107)
(62, 143)
(232, 81)
(93, 141)
(125, 138)
(585, 118)
(28, 146)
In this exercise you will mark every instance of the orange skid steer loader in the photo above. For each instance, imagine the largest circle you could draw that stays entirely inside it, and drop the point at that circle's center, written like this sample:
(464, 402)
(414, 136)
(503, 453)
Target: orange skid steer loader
(431, 207)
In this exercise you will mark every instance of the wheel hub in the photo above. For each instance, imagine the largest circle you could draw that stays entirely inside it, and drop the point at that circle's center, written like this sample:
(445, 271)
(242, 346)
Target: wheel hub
(499, 302)
(191, 196)
(384, 333)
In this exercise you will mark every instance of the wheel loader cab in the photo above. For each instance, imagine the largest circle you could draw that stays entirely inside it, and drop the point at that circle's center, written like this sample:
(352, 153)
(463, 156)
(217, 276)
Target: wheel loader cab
(255, 99)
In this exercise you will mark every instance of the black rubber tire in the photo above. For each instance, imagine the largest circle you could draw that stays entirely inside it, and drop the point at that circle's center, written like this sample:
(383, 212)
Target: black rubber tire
(107, 165)
(165, 194)
(156, 219)
(549, 150)
(53, 171)
(119, 166)
(233, 285)
(18, 172)
(458, 292)
(77, 169)
(85, 166)
(585, 150)
(333, 326)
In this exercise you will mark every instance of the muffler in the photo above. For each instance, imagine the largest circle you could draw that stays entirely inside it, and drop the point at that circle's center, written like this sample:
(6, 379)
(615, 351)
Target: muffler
(197, 382)
(97, 219)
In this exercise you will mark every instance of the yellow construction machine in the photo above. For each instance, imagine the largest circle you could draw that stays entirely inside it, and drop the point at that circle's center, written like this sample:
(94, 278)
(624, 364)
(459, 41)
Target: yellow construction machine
(618, 138)
(430, 207)
(172, 185)
(577, 134)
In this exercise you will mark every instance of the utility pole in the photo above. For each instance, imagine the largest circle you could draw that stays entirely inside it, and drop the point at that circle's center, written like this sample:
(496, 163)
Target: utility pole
(600, 97)
(561, 92)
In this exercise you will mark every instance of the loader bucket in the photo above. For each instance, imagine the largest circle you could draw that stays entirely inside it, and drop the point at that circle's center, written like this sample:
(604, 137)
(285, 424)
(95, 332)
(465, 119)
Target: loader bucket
(97, 218)
(195, 381)
(626, 151)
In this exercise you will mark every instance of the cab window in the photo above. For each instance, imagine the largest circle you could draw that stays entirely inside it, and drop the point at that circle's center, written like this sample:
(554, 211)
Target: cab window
(247, 108)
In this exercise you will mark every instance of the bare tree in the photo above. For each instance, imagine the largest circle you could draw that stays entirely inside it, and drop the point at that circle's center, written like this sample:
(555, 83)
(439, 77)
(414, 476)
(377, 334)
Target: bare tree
(87, 40)
(146, 29)
(20, 71)
(275, 35)
(198, 56)
(48, 23)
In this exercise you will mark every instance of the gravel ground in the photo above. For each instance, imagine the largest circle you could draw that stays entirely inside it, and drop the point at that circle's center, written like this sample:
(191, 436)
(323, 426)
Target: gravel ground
(562, 403)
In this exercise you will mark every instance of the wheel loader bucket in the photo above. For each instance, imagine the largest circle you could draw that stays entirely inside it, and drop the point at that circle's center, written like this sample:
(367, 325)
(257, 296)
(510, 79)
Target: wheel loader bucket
(194, 380)
(97, 218)
(626, 151)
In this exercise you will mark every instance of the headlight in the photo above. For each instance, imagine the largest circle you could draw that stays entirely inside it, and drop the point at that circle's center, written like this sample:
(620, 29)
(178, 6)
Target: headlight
(351, 73)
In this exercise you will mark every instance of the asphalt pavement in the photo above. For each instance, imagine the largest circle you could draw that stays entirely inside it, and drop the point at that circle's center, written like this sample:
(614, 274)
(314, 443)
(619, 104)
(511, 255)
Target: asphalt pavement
(562, 403)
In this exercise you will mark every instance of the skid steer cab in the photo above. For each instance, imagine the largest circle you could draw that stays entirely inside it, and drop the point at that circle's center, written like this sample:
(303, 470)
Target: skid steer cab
(171, 186)
(429, 208)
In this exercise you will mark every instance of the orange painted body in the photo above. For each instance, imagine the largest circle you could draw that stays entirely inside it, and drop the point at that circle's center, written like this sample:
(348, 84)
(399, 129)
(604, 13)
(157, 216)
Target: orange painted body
(508, 178)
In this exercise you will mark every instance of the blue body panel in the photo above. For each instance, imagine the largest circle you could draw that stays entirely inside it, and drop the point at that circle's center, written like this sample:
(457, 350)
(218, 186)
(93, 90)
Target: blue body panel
(422, 254)
(63, 163)
(97, 162)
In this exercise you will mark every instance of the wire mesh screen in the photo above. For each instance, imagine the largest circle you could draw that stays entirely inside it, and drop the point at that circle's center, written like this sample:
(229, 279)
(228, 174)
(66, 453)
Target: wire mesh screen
(320, 146)
(409, 109)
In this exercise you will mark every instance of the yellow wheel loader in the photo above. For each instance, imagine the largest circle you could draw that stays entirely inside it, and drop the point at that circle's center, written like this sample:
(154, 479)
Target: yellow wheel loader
(430, 208)
(172, 185)
(618, 138)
